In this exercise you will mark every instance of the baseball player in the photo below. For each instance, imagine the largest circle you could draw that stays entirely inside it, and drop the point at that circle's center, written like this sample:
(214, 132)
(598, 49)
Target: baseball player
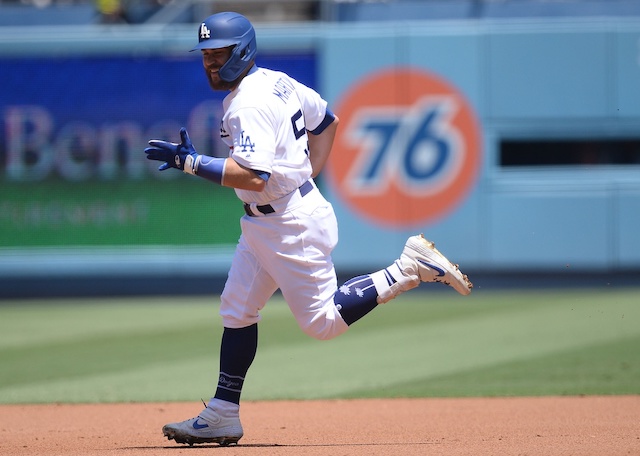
(279, 134)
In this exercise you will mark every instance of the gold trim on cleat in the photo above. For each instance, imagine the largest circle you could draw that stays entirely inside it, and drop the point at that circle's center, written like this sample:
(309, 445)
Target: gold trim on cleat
(424, 248)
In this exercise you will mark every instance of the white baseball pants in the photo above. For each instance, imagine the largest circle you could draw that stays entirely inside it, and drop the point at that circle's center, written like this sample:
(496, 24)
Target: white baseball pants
(290, 250)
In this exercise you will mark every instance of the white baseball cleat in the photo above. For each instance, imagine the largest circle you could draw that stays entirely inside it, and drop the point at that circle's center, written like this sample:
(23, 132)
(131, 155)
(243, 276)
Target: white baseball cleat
(421, 258)
(209, 426)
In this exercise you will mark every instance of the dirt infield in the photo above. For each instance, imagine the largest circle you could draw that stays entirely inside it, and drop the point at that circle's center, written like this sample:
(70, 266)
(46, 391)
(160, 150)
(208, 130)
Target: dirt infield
(498, 426)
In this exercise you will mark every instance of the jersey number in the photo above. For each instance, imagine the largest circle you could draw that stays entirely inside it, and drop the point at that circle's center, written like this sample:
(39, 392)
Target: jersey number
(299, 132)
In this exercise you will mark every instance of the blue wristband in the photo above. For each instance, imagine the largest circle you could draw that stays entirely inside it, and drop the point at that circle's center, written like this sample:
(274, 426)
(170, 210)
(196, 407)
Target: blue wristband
(210, 168)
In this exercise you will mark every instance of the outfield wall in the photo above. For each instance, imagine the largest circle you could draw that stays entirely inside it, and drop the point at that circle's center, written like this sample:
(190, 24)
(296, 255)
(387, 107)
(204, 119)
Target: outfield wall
(424, 109)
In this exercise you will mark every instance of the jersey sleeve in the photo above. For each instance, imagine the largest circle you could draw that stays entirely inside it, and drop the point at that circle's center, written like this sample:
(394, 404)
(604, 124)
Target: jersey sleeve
(314, 106)
(252, 139)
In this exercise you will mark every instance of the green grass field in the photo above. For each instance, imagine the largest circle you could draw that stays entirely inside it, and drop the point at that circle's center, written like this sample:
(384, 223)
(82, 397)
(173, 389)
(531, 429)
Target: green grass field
(423, 344)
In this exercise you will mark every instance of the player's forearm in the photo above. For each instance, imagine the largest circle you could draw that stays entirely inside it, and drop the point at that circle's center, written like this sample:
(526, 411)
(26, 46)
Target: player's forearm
(224, 171)
(320, 147)
(238, 176)
(210, 168)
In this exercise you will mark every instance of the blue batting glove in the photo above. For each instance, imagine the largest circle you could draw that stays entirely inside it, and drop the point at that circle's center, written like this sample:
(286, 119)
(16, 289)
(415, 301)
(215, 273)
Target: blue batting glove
(173, 155)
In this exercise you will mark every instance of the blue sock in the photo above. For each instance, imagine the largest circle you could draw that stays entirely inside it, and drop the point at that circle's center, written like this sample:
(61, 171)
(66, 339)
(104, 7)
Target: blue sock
(237, 351)
(356, 298)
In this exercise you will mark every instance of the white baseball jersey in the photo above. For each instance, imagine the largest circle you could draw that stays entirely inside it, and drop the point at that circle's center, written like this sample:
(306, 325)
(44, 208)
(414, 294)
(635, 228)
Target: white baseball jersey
(264, 125)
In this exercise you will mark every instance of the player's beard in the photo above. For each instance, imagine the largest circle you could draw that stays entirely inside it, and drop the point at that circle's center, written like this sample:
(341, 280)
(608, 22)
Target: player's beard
(216, 83)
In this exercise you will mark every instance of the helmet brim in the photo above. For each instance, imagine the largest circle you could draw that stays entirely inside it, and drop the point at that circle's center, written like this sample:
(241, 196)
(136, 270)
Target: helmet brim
(213, 44)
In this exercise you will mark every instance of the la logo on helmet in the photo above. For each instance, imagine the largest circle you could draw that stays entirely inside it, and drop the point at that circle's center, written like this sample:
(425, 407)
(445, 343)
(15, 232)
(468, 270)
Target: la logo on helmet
(205, 33)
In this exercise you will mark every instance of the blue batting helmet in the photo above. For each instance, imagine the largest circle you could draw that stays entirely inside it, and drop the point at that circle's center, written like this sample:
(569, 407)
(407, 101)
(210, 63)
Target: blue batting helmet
(229, 29)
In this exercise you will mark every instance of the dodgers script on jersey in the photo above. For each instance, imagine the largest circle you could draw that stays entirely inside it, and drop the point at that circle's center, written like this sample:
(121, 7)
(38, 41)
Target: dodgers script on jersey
(271, 136)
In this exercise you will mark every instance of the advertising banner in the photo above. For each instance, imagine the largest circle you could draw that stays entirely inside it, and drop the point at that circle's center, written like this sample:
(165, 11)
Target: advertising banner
(72, 167)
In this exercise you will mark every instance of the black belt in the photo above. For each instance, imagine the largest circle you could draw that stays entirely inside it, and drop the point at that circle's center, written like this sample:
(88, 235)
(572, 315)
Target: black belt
(268, 208)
